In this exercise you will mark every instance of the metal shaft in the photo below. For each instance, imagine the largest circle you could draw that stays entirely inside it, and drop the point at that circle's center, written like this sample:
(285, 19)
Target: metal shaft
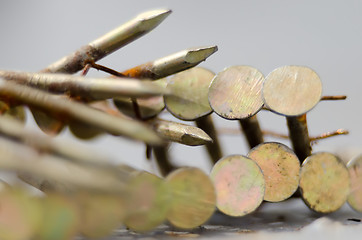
(213, 149)
(298, 134)
(252, 131)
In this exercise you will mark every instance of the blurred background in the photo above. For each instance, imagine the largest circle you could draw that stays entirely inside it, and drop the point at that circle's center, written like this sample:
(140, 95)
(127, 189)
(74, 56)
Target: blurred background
(323, 35)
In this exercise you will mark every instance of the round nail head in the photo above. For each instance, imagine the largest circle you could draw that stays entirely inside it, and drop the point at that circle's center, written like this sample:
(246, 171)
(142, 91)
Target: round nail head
(193, 198)
(292, 90)
(239, 185)
(280, 167)
(355, 173)
(235, 93)
(189, 89)
(324, 182)
(147, 202)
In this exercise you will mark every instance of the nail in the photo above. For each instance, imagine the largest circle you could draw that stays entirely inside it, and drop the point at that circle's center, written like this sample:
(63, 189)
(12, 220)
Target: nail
(239, 185)
(16, 112)
(324, 182)
(235, 93)
(193, 198)
(188, 100)
(148, 202)
(64, 108)
(109, 42)
(171, 64)
(95, 51)
(16, 131)
(292, 91)
(96, 222)
(89, 88)
(149, 107)
(355, 172)
(280, 167)
(63, 175)
(163, 160)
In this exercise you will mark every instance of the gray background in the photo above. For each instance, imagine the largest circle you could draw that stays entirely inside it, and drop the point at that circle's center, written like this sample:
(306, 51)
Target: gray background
(324, 35)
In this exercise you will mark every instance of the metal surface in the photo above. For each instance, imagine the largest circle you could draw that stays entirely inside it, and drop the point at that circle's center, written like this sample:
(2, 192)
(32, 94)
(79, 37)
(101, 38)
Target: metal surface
(355, 172)
(235, 93)
(324, 182)
(188, 99)
(109, 42)
(148, 202)
(193, 196)
(65, 108)
(280, 167)
(252, 131)
(171, 64)
(299, 136)
(178, 132)
(292, 90)
(239, 184)
(90, 88)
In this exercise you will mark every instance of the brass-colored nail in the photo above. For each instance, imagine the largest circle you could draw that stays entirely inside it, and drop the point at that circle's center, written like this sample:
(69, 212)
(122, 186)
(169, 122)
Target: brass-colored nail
(98, 222)
(171, 64)
(280, 167)
(324, 182)
(63, 108)
(188, 100)
(109, 42)
(235, 93)
(163, 160)
(292, 91)
(355, 172)
(239, 184)
(60, 174)
(90, 88)
(148, 202)
(193, 198)
(95, 51)
(56, 207)
(17, 112)
(178, 132)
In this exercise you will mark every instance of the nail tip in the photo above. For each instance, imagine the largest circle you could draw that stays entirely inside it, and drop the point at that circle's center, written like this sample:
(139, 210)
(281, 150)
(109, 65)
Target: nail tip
(197, 55)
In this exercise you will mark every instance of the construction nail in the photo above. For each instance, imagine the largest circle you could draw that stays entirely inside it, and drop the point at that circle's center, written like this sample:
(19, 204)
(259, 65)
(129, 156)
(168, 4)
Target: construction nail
(188, 100)
(193, 198)
(109, 42)
(171, 64)
(292, 91)
(280, 167)
(239, 185)
(89, 88)
(65, 108)
(324, 182)
(235, 93)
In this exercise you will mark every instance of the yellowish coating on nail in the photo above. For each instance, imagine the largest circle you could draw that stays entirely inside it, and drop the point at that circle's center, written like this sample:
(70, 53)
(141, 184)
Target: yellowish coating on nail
(355, 173)
(235, 93)
(292, 90)
(280, 167)
(324, 182)
(239, 184)
(194, 199)
(189, 93)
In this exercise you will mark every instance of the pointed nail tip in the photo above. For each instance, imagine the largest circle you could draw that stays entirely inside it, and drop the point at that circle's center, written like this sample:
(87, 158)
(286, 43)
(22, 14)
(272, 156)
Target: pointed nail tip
(157, 14)
(200, 54)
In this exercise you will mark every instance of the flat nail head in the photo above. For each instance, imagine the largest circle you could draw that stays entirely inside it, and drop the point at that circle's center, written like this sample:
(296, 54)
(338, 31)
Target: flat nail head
(355, 172)
(189, 94)
(280, 167)
(324, 182)
(147, 202)
(292, 90)
(235, 93)
(193, 200)
(239, 185)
